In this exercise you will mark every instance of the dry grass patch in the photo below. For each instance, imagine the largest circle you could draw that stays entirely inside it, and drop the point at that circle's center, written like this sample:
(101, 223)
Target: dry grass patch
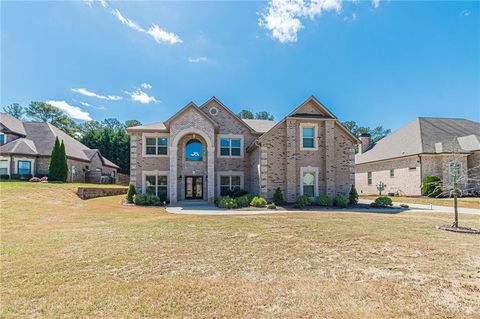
(465, 202)
(65, 257)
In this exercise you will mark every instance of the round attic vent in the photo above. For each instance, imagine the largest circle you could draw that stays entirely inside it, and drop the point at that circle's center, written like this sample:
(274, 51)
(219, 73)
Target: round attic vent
(213, 110)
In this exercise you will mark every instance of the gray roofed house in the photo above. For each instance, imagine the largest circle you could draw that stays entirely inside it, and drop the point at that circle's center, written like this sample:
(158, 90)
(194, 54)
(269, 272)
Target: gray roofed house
(25, 149)
(423, 147)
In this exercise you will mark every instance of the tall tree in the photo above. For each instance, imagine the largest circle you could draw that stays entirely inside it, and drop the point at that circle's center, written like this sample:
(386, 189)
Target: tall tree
(62, 159)
(264, 115)
(376, 133)
(245, 114)
(15, 110)
(130, 123)
(43, 112)
(54, 166)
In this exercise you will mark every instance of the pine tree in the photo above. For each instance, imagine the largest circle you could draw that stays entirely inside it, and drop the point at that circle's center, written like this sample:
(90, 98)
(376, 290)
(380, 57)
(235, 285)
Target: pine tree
(353, 196)
(62, 158)
(53, 168)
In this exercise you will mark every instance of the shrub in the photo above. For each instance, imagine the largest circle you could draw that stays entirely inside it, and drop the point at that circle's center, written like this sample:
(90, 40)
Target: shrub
(431, 186)
(22, 177)
(340, 201)
(146, 200)
(382, 201)
(58, 168)
(227, 202)
(272, 206)
(243, 201)
(278, 197)
(303, 201)
(404, 206)
(236, 192)
(130, 193)
(4, 177)
(353, 196)
(297, 205)
(323, 200)
(258, 202)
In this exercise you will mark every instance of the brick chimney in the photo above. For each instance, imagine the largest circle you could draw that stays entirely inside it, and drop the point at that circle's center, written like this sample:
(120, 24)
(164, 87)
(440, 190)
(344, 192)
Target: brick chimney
(365, 140)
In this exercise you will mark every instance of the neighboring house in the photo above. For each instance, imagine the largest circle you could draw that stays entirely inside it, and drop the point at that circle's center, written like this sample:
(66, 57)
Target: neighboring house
(203, 151)
(25, 149)
(424, 147)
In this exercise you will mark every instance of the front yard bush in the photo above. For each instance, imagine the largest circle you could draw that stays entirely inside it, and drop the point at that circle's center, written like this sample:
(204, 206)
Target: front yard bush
(130, 193)
(323, 200)
(243, 201)
(4, 177)
(353, 196)
(227, 202)
(146, 200)
(236, 192)
(340, 201)
(278, 197)
(431, 186)
(258, 202)
(382, 201)
(303, 201)
(272, 206)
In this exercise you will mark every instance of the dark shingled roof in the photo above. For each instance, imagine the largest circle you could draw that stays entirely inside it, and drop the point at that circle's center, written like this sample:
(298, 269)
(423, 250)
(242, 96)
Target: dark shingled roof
(425, 135)
(12, 124)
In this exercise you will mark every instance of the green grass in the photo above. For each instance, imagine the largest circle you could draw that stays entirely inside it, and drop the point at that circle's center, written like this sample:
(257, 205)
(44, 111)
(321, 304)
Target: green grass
(465, 202)
(64, 257)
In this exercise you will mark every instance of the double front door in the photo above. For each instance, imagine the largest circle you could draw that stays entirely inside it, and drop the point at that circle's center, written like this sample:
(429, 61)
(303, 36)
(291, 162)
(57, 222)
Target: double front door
(193, 187)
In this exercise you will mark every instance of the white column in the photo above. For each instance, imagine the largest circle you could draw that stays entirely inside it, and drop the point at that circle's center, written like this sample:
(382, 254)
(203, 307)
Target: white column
(173, 174)
(211, 174)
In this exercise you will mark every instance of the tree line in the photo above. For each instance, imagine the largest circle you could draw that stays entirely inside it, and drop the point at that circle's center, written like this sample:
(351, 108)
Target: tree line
(111, 138)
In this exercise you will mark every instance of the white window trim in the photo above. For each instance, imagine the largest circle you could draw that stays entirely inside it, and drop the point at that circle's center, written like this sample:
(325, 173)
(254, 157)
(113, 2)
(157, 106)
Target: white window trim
(309, 169)
(231, 136)
(315, 136)
(156, 173)
(28, 159)
(144, 144)
(229, 173)
(450, 177)
(371, 175)
(4, 158)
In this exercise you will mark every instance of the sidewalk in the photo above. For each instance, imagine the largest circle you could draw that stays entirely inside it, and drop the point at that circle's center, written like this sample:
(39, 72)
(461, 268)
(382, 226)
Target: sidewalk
(436, 208)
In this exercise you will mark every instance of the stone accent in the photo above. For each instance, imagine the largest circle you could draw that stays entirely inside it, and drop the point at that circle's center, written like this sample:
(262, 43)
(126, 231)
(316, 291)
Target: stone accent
(93, 192)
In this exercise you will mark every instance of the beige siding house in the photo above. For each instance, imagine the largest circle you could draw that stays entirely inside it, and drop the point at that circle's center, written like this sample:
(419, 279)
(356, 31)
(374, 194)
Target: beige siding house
(423, 147)
(204, 151)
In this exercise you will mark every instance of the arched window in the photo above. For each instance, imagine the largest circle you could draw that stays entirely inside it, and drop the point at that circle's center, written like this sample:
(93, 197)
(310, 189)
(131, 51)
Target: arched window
(455, 172)
(194, 150)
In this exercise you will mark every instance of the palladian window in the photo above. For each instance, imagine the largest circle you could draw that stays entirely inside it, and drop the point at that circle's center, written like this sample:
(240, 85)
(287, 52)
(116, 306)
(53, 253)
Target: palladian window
(194, 150)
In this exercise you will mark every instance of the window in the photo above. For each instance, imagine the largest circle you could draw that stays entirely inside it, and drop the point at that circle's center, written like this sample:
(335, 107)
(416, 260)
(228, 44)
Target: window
(194, 150)
(412, 168)
(156, 185)
(24, 167)
(308, 137)
(230, 147)
(156, 145)
(229, 183)
(369, 178)
(392, 173)
(3, 167)
(308, 184)
(454, 172)
(2, 139)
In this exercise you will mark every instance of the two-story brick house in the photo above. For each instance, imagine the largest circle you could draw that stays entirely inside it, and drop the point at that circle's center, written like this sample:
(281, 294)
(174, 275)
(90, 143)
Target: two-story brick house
(204, 150)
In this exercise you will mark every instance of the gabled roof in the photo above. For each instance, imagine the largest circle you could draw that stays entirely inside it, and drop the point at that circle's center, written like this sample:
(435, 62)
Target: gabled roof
(260, 126)
(425, 135)
(319, 104)
(189, 106)
(12, 124)
(157, 126)
(21, 146)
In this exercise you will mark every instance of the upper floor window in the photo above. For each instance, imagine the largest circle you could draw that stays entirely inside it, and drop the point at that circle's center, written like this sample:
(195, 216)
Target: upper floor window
(156, 145)
(308, 137)
(2, 138)
(230, 146)
(194, 150)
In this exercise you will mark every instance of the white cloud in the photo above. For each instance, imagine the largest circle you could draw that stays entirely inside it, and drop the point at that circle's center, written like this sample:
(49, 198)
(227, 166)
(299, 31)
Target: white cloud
(146, 86)
(353, 17)
(465, 13)
(72, 111)
(104, 3)
(375, 3)
(93, 106)
(142, 97)
(85, 92)
(198, 59)
(283, 17)
(90, 3)
(158, 34)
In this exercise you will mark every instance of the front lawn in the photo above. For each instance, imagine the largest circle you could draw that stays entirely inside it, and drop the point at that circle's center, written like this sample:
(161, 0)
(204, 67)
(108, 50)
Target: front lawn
(465, 202)
(64, 257)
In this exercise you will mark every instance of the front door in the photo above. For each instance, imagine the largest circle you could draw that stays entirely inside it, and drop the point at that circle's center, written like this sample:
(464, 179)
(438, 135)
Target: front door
(193, 187)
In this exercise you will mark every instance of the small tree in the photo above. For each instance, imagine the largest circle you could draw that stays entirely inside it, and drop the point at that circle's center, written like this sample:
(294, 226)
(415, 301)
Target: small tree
(53, 168)
(431, 186)
(278, 197)
(353, 196)
(130, 193)
(62, 157)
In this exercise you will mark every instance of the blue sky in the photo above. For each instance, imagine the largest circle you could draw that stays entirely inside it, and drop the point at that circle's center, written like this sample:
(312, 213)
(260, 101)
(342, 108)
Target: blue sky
(380, 62)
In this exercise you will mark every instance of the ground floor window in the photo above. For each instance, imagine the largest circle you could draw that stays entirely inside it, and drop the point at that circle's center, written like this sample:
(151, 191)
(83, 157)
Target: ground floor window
(229, 183)
(454, 172)
(392, 173)
(308, 184)
(369, 178)
(3, 167)
(156, 185)
(24, 167)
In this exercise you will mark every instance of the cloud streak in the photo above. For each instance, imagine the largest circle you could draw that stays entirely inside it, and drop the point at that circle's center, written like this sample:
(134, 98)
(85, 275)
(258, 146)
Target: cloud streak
(157, 33)
(86, 92)
(73, 111)
(198, 59)
(142, 97)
